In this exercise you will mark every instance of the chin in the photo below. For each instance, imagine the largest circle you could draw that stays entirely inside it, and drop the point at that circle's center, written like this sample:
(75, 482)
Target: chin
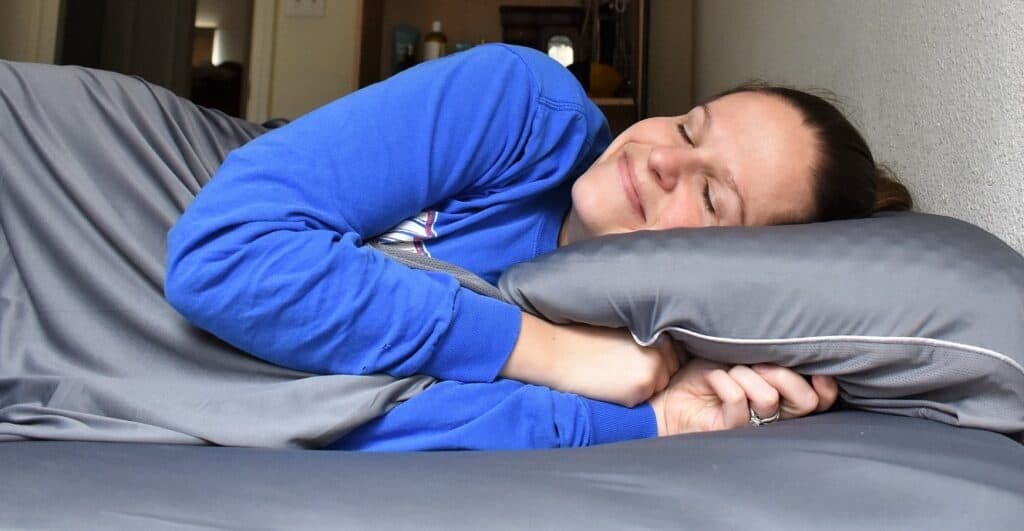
(581, 219)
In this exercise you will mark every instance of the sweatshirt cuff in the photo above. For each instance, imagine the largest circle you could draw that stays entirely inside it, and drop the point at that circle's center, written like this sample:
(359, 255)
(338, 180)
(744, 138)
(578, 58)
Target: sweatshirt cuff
(482, 333)
(613, 423)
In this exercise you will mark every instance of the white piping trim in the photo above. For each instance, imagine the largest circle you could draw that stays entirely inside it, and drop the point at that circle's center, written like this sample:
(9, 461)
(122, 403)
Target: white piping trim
(816, 339)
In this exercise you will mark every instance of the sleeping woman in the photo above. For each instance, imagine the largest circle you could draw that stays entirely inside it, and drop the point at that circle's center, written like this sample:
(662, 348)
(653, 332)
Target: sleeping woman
(485, 159)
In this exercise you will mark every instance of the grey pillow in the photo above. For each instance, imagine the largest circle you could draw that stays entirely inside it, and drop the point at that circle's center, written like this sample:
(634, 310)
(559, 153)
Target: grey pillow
(914, 314)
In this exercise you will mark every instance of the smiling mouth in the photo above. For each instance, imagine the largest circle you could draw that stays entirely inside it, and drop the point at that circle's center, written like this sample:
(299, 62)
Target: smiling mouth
(629, 185)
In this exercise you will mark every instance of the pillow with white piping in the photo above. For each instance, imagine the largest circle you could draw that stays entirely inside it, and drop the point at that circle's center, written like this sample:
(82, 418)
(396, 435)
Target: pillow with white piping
(914, 314)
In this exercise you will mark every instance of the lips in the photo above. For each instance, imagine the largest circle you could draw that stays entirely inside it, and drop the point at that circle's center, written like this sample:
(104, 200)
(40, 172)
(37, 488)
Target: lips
(628, 180)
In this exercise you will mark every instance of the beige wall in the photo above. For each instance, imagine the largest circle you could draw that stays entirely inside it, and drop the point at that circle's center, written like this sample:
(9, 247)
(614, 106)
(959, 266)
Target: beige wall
(28, 30)
(314, 60)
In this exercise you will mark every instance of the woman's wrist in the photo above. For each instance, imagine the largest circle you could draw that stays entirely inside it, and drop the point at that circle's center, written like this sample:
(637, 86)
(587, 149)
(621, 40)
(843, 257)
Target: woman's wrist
(530, 360)
(657, 403)
(613, 423)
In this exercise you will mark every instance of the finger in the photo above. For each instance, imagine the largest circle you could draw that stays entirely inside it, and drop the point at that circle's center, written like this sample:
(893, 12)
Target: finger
(798, 397)
(661, 381)
(701, 364)
(672, 355)
(681, 354)
(735, 411)
(827, 389)
(762, 397)
(669, 351)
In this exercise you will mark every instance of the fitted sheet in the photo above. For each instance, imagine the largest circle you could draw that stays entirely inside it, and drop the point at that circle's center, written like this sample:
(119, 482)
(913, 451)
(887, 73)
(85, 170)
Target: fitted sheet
(837, 471)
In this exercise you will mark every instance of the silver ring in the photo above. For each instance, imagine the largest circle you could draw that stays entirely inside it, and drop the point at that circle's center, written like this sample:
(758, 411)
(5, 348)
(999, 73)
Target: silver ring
(757, 420)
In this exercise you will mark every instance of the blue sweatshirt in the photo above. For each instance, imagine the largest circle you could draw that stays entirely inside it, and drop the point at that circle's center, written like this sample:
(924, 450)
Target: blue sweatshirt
(468, 159)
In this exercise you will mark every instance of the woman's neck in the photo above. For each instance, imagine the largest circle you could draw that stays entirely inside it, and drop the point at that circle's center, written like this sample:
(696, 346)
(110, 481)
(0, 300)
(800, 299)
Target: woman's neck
(571, 230)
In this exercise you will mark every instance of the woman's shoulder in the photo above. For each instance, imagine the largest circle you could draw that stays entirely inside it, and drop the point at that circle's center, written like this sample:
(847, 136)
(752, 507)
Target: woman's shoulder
(551, 80)
(498, 51)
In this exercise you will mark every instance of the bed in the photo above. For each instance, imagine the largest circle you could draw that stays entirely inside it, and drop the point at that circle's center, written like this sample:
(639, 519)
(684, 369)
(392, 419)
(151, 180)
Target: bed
(116, 414)
(842, 470)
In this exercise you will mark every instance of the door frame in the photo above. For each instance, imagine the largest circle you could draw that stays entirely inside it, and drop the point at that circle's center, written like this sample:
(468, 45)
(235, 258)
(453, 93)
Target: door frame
(261, 60)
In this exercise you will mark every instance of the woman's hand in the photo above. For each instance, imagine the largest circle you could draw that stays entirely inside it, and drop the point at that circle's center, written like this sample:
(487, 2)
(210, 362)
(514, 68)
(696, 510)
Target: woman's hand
(595, 362)
(708, 396)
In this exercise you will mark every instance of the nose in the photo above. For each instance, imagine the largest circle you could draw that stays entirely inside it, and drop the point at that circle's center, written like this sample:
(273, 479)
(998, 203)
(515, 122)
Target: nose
(669, 164)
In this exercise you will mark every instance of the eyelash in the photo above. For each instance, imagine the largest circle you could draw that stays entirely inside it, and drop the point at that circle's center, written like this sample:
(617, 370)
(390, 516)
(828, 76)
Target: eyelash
(707, 182)
(707, 196)
(685, 135)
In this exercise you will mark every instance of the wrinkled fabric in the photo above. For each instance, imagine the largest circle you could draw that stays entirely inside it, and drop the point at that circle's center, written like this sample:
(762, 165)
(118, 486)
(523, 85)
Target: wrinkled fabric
(96, 167)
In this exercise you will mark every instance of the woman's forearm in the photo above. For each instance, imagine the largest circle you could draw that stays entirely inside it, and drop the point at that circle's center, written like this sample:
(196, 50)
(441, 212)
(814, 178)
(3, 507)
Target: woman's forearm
(596, 362)
(501, 415)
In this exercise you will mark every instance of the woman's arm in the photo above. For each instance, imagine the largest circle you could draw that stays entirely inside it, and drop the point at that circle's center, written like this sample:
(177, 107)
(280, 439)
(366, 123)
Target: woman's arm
(600, 363)
(269, 256)
(500, 415)
(509, 415)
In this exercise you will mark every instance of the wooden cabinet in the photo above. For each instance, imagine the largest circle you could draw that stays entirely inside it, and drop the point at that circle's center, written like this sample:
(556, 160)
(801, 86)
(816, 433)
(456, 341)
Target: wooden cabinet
(475, 21)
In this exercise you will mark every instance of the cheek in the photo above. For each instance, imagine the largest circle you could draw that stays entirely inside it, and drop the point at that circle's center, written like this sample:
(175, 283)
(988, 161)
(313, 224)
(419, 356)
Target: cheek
(586, 197)
(617, 143)
(597, 200)
(681, 213)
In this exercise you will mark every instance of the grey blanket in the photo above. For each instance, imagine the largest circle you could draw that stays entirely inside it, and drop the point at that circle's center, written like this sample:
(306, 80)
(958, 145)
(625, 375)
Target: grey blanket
(95, 168)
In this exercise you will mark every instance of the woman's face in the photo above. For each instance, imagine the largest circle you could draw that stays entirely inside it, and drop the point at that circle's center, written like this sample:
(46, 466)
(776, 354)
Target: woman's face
(743, 159)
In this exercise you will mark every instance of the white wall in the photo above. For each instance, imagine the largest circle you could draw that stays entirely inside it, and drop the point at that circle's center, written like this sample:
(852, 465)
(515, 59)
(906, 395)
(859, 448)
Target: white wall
(28, 30)
(937, 86)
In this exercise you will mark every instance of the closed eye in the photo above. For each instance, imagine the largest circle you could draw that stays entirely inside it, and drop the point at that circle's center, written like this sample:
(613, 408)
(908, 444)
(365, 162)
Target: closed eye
(708, 204)
(685, 135)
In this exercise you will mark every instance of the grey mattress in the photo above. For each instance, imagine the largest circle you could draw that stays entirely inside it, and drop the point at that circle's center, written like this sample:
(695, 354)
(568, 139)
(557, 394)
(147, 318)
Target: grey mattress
(842, 470)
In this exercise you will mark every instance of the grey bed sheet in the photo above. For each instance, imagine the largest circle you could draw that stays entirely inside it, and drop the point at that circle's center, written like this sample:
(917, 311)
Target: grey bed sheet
(837, 471)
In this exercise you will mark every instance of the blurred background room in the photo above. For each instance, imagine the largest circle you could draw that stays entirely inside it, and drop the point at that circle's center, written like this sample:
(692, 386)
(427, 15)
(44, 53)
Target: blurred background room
(261, 59)
(937, 86)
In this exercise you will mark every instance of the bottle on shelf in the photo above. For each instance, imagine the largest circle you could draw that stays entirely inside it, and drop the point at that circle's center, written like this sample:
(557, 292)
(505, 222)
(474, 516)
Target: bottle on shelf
(435, 43)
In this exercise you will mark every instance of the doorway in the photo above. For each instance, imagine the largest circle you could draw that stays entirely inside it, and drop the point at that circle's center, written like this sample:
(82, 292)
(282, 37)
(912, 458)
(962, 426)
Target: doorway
(199, 49)
(220, 54)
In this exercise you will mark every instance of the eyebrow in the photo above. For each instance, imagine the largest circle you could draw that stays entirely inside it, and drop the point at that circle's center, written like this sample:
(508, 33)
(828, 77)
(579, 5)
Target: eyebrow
(726, 177)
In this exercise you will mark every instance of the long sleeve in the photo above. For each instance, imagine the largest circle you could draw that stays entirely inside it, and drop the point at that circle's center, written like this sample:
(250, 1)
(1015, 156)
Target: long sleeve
(270, 257)
(502, 415)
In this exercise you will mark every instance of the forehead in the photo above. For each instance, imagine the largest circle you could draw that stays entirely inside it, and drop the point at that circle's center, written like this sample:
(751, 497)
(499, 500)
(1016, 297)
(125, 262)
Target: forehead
(768, 151)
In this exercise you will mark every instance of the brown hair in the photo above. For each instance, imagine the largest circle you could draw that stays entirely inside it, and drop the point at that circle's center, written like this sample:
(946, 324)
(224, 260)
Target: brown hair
(848, 183)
